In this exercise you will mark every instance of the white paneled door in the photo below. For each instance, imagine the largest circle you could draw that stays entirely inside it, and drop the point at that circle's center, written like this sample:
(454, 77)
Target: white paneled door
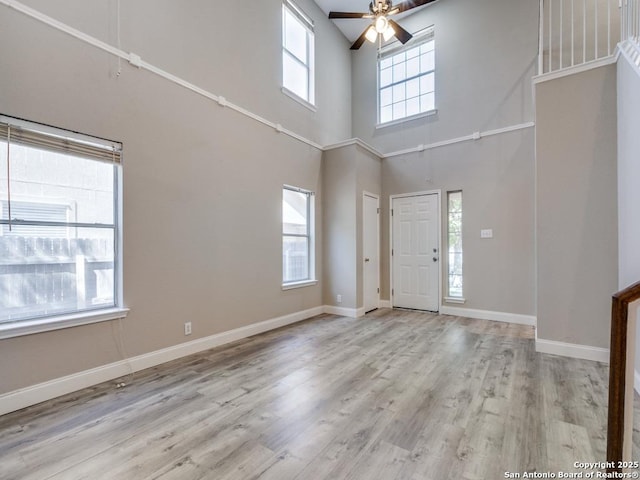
(370, 252)
(416, 252)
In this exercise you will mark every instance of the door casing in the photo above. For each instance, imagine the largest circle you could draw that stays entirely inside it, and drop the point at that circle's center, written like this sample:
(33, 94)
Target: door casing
(366, 196)
(438, 194)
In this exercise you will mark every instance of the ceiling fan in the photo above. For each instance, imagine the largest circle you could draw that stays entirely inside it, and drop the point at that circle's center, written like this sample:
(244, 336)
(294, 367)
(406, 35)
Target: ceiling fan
(379, 10)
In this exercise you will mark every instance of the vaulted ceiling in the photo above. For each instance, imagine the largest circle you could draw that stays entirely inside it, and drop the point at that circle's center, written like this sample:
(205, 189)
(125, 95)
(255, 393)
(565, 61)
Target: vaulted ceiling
(353, 27)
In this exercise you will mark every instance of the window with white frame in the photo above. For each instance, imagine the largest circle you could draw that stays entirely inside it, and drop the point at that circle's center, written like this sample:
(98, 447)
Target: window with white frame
(297, 53)
(297, 236)
(59, 231)
(454, 227)
(406, 79)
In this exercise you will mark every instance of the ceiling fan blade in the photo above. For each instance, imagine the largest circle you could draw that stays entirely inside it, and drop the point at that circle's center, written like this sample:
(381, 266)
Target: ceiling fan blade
(360, 40)
(347, 15)
(401, 33)
(409, 4)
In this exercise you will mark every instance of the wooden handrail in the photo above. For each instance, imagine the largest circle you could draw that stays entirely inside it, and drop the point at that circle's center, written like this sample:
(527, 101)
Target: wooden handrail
(617, 373)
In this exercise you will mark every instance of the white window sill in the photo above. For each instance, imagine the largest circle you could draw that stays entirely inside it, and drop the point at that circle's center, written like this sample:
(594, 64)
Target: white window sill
(458, 300)
(38, 325)
(407, 119)
(299, 99)
(292, 285)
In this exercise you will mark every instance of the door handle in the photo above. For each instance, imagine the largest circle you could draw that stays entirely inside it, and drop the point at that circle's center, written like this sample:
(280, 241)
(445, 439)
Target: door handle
(366, 259)
(435, 259)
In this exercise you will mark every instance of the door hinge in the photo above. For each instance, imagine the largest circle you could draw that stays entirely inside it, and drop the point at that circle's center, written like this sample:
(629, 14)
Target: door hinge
(378, 210)
(392, 212)
(393, 291)
(392, 252)
(378, 290)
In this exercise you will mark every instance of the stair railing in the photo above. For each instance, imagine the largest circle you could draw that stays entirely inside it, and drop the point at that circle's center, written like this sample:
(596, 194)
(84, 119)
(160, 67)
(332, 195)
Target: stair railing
(578, 32)
(620, 367)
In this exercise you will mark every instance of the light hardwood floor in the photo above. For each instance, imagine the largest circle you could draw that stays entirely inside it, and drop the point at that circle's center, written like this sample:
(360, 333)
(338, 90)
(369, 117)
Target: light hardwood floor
(393, 395)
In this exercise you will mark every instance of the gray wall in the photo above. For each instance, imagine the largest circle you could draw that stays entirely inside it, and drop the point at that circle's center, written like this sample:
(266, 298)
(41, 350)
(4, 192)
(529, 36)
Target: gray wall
(485, 57)
(628, 180)
(339, 210)
(369, 179)
(577, 238)
(202, 184)
(496, 176)
(196, 171)
(347, 172)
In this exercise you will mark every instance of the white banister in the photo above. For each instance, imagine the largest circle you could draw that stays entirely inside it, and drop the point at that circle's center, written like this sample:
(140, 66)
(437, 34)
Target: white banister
(541, 39)
(573, 60)
(550, 32)
(584, 31)
(561, 41)
(608, 27)
(595, 28)
(561, 30)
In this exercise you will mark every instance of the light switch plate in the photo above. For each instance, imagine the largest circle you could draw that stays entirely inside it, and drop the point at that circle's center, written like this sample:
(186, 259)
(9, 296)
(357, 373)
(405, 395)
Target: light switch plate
(486, 233)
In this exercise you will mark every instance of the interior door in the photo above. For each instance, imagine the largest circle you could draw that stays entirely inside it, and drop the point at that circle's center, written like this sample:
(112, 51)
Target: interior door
(370, 252)
(416, 252)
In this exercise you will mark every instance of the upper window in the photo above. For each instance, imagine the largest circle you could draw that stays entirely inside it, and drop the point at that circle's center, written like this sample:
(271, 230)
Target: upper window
(297, 236)
(407, 79)
(454, 222)
(297, 53)
(59, 222)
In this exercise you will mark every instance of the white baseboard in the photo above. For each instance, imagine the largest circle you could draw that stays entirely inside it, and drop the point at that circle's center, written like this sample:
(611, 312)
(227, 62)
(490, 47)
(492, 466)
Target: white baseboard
(384, 304)
(489, 315)
(585, 352)
(343, 311)
(24, 397)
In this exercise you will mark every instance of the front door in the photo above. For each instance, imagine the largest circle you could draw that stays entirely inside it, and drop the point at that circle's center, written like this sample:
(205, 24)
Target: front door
(416, 252)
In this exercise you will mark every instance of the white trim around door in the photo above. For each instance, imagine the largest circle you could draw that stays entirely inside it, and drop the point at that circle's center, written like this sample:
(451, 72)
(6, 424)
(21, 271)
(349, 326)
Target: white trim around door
(437, 254)
(370, 251)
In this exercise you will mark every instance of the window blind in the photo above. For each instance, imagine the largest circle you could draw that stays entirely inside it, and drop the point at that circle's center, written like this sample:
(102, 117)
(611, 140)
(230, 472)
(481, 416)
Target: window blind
(43, 137)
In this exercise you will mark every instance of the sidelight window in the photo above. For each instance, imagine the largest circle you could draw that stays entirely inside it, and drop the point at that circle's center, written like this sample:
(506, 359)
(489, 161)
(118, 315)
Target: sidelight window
(454, 221)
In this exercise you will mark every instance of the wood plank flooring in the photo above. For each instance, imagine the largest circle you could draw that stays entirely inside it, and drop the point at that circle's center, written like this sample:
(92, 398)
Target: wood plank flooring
(394, 395)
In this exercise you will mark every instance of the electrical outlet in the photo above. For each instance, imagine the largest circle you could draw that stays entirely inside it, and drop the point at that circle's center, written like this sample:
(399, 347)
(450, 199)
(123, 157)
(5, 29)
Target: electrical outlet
(187, 328)
(339, 298)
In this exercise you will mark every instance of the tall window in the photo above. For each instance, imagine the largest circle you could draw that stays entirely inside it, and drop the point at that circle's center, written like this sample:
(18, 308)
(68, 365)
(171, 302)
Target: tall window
(454, 221)
(59, 222)
(297, 53)
(297, 235)
(407, 79)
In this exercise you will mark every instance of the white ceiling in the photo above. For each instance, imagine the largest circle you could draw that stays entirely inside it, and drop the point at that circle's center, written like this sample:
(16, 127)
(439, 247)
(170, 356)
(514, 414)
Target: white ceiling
(353, 27)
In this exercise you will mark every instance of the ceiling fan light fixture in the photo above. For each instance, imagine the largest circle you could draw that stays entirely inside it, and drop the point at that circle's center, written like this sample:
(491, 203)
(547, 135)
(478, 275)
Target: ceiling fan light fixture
(388, 33)
(381, 24)
(371, 34)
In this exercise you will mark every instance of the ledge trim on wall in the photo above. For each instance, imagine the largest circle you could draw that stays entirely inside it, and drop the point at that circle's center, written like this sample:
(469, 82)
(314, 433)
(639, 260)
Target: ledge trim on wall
(489, 315)
(137, 62)
(601, 62)
(25, 397)
(584, 352)
(354, 141)
(465, 138)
